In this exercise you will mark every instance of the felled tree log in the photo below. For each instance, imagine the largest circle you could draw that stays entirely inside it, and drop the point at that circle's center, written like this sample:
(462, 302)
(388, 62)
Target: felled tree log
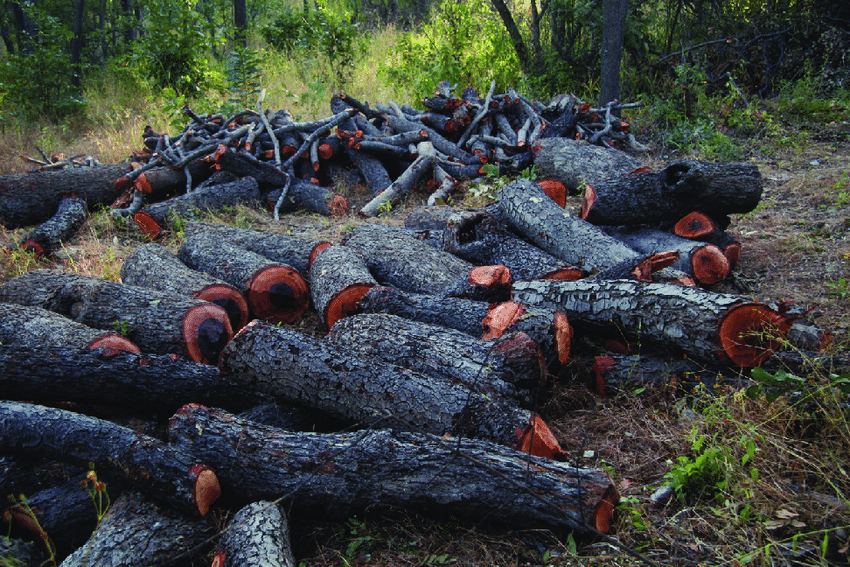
(21, 325)
(303, 369)
(294, 251)
(672, 193)
(481, 239)
(491, 367)
(156, 267)
(168, 474)
(340, 474)
(339, 277)
(705, 262)
(157, 217)
(308, 196)
(574, 162)
(138, 531)
(409, 264)
(559, 232)
(49, 236)
(157, 322)
(620, 372)
(257, 535)
(107, 377)
(21, 553)
(714, 327)
(547, 327)
(276, 292)
(422, 165)
(28, 199)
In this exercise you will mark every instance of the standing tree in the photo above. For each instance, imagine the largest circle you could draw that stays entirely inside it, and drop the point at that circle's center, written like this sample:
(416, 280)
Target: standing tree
(240, 21)
(614, 27)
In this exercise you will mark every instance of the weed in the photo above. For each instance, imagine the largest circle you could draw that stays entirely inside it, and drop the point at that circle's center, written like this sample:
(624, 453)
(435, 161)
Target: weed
(839, 288)
(33, 524)
(97, 492)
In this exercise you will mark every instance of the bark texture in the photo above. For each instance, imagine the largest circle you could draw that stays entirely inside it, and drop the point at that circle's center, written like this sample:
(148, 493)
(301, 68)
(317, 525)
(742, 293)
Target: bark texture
(338, 474)
(168, 474)
(575, 162)
(339, 278)
(710, 326)
(107, 377)
(137, 532)
(303, 369)
(558, 231)
(670, 194)
(257, 535)
(158, 322)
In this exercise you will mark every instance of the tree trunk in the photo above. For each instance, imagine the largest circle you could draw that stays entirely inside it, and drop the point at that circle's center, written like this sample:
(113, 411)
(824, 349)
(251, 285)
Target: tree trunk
(104, 377)
(409, 264)
(77, 43)
(52, 233)
(559, 232)
(257, 535)
(240, 21)
(298, 252)
(492, 367)
(715, 327)
(705, 262)
(575, 162)
(341, 474)
(24, 326)
(614, 13)
(677, 190)
(155, 321)
(302, 369)
(168, 474)
(156, 267)
(137, 531)
(275, 292)
(157, 217)
(339, 278)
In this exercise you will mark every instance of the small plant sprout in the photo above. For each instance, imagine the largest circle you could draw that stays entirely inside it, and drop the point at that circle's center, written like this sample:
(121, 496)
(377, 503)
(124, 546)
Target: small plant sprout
(97, 492)
(32, 522)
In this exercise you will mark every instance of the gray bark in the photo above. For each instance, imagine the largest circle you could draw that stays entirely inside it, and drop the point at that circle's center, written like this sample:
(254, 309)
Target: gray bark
(257, 535)
(575, 162)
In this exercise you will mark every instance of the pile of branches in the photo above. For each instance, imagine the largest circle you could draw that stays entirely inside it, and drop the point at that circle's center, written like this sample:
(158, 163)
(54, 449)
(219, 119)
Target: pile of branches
(390, 147)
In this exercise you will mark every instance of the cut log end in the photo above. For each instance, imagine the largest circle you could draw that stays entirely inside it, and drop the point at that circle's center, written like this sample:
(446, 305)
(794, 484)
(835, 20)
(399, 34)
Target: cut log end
(345, 303)
(231, 300)
(603, 514)
(206, 331)
(33, 248)
(491, 277)
(556, 191)
(149, 226)
(601, 364)
(643, 271)
(587, 202)
(538, 440)
(732, 252)
(709, 264)
(563, 336)
(207, 487)
(315, 252)
(115, 341)
(695, 225)
(567, 273)
(219, 560)
(524, 351)
(500, 317)
(338, 206)
(750, 333)
(278, 294)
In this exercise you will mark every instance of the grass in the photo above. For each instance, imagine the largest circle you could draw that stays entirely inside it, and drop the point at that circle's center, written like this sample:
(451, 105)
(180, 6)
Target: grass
(757, 481)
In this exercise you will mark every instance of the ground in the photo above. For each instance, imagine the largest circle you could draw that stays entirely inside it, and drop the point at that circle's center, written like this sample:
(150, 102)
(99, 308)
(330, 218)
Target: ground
(796, 248)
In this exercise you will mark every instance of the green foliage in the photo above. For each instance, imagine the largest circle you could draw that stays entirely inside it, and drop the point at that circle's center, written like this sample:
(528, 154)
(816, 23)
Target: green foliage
(781, 383)
(839, 288)
(464, 43)
(173, 52)
(243, 75)
(23, 505)
(37, 86)
(319, 37)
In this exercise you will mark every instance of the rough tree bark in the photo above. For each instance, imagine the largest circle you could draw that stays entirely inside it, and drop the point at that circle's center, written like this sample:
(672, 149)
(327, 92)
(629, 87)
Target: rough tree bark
(339, 474)
(49, 236)
(574, 162)
(171, 475)
(257, 535)
(339, 278)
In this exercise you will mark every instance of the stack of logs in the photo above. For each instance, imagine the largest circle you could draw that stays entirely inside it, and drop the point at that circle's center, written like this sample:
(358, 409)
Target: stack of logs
(441, 335)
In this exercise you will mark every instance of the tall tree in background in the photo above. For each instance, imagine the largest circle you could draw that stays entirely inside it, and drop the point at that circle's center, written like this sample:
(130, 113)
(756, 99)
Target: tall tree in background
(77, 43)
(240, 21)
(614, 28)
